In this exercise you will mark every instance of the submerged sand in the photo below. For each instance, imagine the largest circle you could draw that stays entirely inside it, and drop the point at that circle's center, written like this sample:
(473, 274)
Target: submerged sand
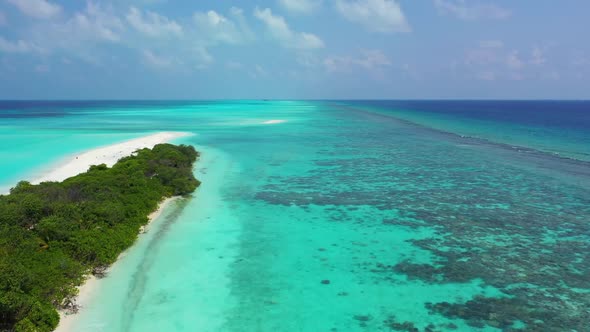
(89, 287)
(185, 260)
(80, 163)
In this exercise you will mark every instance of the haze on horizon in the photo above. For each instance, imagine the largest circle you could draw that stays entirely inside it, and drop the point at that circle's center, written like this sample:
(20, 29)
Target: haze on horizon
(295, 49)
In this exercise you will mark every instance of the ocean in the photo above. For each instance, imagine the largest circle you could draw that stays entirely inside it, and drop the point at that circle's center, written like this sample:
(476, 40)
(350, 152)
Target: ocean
(346, 216)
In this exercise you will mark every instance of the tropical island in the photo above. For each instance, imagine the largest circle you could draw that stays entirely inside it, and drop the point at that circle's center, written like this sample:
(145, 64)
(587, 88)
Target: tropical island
(54, 234)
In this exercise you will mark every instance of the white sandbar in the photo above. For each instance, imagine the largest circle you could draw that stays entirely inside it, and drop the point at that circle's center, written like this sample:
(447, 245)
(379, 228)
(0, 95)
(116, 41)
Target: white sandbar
(76, 164)
(108, 155)
(274, 121)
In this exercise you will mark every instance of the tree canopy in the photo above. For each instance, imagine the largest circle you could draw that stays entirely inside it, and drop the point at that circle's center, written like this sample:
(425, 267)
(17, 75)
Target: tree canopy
(54, 233)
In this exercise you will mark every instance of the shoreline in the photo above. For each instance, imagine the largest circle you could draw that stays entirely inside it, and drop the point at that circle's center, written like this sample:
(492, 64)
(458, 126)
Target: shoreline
(79, 163)
(109, 155)
(87, 289)
(149, 262)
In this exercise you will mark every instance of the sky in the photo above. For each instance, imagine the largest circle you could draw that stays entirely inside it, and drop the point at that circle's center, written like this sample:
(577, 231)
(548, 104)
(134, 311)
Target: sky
(294, 49)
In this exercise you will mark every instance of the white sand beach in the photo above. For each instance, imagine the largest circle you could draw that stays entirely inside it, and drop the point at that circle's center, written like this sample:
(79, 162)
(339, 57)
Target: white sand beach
(89, 287)
(108, 155)
(165, 253)
(79, 164)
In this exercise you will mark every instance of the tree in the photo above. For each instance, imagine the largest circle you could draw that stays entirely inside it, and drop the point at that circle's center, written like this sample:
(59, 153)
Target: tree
(54, 233)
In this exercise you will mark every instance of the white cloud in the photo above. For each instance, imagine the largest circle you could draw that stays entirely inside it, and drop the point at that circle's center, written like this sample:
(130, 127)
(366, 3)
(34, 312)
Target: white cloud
(480, 56)
(234, 65)
(373, 58)
(376, 15)
(513, 60)
(142, 3)
(218, 28)
(153, 24)
(82, 34)
(276, 24)
(19, 46)
(94, 23)
(98, 33)
(488, 52)
(198, 58)
(301, 6)
(338, 63)
(157, 61)
(579, 59)
(369, 59)
(471, 12)
(202, 57)
(411, 72)
(491, 60)
(238, 15)
(307, 59)
(36, 8)
(492, 54)
(307, 40)
(538, 56)
(258, 72)
(279, 29)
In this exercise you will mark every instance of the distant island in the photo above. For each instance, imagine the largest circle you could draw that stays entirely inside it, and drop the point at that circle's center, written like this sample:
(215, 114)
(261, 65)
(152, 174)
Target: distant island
(55, 233)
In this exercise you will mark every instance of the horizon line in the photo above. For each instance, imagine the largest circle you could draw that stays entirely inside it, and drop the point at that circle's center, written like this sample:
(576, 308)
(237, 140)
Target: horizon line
(293, 99)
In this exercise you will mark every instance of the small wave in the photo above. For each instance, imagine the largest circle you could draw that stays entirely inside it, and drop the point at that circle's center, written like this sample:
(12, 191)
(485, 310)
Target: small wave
(274, 121)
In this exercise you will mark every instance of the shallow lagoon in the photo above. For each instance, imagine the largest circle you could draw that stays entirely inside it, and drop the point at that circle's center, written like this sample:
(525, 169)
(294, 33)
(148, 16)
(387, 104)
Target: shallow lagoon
(339, 219)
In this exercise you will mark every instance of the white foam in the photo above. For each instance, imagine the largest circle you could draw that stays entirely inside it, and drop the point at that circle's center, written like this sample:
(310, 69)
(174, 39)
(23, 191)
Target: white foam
(274, 121)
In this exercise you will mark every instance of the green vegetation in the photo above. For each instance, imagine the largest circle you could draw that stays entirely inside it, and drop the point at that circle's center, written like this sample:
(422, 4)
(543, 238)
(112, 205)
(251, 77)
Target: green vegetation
(52, 234)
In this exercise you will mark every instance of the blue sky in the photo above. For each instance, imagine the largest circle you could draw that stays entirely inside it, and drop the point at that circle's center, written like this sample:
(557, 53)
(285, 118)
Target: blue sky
(303, 49)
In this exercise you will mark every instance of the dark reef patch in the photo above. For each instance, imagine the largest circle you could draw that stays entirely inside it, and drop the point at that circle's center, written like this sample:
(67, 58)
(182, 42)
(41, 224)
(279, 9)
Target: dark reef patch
(510, 220)
(392, 323)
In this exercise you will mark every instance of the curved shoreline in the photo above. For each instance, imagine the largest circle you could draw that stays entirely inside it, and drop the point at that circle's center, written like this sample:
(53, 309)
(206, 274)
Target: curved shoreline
(147, 268)
(79, 163)
(89, 286)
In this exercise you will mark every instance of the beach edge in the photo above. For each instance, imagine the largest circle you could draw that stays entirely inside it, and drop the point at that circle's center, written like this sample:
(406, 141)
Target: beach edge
(73, 165)
(87, 289)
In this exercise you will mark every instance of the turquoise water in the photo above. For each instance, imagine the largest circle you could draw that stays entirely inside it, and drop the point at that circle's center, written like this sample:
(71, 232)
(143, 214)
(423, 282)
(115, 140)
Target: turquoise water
(557, 127)
(339, 219)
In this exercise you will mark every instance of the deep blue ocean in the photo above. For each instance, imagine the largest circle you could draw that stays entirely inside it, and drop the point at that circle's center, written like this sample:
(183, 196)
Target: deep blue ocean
(561, 127)
(342, 215)
(562, 114)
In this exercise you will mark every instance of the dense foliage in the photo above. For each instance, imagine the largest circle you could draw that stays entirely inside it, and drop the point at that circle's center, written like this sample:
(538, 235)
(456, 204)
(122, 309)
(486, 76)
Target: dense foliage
(52, 234)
